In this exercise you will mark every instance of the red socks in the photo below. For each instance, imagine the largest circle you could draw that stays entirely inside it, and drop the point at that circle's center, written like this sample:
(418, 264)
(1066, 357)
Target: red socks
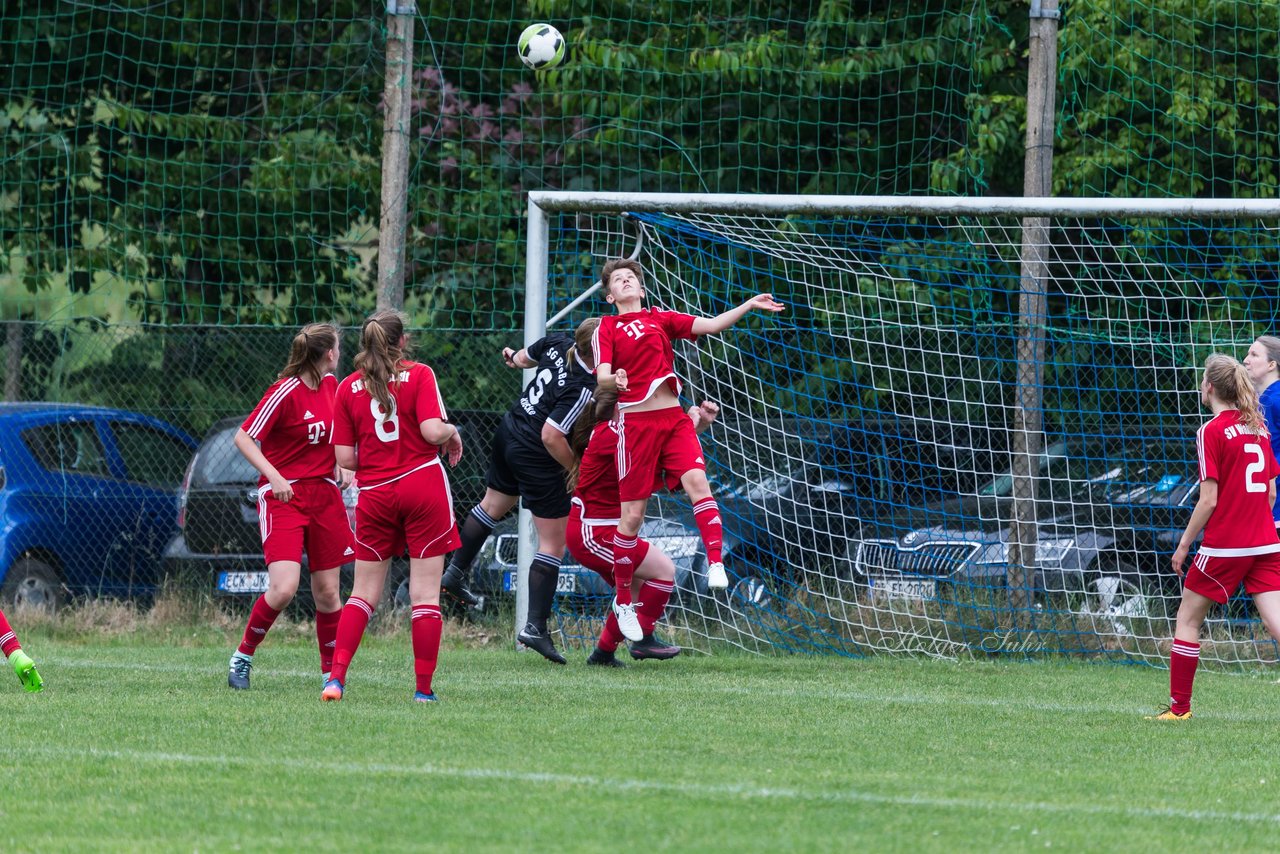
(261, 619)
(706, 514)
(654, 596)
(355, 619)
(1182, 673)
(425, 626)
(327, 637)
(626, 550)
(8, 640)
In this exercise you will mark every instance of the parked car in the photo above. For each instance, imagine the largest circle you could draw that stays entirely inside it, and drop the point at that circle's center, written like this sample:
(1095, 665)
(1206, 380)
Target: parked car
(219, 542)
(1109, 519)
(793, 494)
(494, 572)
(87, 495)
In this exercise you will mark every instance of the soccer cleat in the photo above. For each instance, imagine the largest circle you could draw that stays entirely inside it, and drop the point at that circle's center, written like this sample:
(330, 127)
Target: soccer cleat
(238, 674)
(650, 647)
(538, 639)
(332, 691)
(600, 658)
(324, 677)
(455, 585)
(717, 579)
(1167, 713)
(421, 697)
(26, 670)
(628, 622)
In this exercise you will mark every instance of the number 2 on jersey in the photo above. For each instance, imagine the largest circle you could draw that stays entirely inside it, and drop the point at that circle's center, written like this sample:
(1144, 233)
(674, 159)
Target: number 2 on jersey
(1259, 464)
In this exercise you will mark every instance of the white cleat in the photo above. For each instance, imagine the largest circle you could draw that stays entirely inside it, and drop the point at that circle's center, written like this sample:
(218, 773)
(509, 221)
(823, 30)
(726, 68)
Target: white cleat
(628, 623)
(716, 577)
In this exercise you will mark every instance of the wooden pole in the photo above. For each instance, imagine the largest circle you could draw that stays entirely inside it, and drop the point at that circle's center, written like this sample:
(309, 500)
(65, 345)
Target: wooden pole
(1032, 308)
(397, 93)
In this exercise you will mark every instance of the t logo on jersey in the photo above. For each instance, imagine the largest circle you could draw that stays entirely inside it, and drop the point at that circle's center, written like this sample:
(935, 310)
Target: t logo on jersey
(634, 329)
(315, 432)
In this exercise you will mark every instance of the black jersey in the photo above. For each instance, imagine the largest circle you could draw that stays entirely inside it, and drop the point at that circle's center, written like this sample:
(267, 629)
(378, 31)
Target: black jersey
(559, 392)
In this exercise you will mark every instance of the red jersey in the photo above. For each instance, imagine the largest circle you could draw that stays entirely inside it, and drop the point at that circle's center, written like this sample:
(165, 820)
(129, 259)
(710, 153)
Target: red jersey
(597, 489)
(1242, 463)
(295, 427)
(640, 344)
(388, 447)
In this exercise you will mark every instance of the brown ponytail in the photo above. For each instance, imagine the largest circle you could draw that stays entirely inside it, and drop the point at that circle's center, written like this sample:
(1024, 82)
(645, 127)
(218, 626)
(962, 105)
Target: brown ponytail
(308, 351)
(1232, 386)
(606, 403)
(381, 355)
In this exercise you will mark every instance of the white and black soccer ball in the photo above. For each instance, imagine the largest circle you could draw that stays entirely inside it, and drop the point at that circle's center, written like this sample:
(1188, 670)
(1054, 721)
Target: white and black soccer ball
(541, 46)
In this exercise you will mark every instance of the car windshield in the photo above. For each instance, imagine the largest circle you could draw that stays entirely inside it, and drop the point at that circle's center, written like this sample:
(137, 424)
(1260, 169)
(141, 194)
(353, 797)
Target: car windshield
(1154, 484)
(221, 462)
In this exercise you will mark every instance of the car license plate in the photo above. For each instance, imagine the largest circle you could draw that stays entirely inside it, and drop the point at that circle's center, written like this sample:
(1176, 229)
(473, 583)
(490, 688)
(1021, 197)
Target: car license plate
(905, 588)
(566, 582)
(243, 582)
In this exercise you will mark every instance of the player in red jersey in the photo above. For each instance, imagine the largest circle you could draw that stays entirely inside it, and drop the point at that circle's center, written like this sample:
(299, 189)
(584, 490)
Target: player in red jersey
(19, 660)
(593, 523)
(1237, 490)
(391, 427)
(299, 494)
(633, 354)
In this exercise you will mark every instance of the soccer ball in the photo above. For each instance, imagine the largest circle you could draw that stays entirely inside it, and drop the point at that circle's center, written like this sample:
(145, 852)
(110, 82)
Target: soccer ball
(541, 46)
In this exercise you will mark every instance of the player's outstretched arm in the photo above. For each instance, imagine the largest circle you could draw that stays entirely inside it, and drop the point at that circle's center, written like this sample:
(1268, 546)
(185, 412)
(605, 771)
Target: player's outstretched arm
(517, 358)
(703, 414)
(721, 322)
(610, 380)
(1199, 518)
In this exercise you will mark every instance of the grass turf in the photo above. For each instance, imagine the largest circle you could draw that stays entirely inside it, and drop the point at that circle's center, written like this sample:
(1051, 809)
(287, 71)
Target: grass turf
(142, 747)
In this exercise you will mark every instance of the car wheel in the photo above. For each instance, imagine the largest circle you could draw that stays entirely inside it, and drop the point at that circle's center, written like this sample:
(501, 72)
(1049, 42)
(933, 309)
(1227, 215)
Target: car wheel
(1118, 597)
(751, 591)
(395, 593)
(33, 584)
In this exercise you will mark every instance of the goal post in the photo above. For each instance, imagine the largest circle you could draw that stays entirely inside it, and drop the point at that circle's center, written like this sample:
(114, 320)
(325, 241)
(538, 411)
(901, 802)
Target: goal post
(868, 453)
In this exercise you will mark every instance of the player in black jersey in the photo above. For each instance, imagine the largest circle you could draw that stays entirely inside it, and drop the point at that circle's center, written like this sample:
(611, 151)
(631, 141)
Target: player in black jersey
(529, 460)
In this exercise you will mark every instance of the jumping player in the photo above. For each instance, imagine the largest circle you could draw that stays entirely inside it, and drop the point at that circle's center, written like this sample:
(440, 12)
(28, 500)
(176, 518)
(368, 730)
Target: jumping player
(1263, 365)
(593, 523)
(21, 663)
(528, 462)
(1237, 491)
(299, 494)
(633, 354)
(391, 427)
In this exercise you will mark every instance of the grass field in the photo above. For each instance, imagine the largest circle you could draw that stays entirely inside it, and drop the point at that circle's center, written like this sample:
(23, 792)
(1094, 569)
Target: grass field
(138, 744)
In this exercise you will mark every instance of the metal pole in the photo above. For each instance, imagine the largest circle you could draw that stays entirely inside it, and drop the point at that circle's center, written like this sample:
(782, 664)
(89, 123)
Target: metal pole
(535, 326)
(1028, 420)
(396, 96)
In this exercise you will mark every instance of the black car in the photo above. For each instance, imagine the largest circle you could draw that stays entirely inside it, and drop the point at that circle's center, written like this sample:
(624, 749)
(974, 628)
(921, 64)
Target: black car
(801, 491)
(1109, 519)
(220, 547)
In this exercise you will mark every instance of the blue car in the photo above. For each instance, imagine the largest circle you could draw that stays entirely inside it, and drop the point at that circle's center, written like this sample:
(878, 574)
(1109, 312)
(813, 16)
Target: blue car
(88, 500)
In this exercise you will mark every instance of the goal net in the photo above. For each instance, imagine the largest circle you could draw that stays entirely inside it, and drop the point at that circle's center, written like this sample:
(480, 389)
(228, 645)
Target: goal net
(944, 369)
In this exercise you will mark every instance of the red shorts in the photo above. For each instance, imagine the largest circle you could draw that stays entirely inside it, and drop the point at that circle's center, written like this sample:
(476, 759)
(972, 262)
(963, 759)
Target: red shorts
(1218, 578)
(591, 543)
(315, 519)
(414, 511)
(653, 444)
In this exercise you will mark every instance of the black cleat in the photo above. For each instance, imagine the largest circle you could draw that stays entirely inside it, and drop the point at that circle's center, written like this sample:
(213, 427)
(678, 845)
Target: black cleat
(600, 658)
(650, 647)
(238, 672)
(455, 585)
(537, 639)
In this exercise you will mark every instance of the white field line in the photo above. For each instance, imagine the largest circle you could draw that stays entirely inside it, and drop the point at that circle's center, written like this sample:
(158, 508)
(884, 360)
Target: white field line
(215, 674)
(622, 784)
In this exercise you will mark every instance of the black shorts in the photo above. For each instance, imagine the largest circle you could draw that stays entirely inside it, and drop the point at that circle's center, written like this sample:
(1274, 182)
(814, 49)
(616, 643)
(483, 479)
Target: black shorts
(516, 468)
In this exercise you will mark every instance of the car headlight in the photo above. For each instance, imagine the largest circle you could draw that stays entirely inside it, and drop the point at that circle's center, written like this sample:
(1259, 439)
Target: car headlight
(1053, 551)
(676, 547)
(994, 553)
